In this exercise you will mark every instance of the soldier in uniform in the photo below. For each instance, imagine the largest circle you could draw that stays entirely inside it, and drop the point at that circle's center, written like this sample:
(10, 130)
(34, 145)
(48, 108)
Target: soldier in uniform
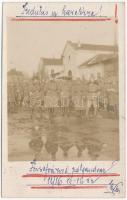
(64, 96)
(79, 97)
(11, 98)
(101, 92)
(81, 145)
(35, 98)
(26, 99)
(84, 96)
(19, 97)
(42, 103)
(112, 100)
(51, 96)
(51, 145)
(92, 98)
(65, 145)
(36, 143)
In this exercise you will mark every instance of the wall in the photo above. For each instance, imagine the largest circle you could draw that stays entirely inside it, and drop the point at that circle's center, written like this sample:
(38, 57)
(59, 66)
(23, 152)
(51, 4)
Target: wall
(111, 68)
(56, 68)
(86, 72)
(69, 59)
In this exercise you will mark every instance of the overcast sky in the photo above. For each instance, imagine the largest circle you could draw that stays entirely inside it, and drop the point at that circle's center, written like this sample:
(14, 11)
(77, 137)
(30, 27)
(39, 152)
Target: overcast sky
(28, 41)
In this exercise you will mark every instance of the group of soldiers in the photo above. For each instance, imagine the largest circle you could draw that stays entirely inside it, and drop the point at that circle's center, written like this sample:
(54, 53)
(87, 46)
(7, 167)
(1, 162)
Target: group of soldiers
(63, 96)
(55, 146)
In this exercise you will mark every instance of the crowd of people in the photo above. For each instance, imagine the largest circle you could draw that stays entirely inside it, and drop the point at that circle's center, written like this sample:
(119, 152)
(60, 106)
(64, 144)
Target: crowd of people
(64, 96)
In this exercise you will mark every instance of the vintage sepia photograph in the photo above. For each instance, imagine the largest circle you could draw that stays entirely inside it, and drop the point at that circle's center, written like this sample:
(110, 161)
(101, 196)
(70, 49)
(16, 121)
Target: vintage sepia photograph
(62, 90)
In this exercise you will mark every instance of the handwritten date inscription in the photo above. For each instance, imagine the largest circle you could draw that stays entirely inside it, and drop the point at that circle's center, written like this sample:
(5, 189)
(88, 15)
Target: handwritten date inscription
(80, 176)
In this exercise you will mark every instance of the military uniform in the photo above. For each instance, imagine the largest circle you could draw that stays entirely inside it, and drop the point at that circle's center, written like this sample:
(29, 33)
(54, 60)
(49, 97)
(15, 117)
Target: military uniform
(92, 98)
(65, 95)
(11, 99)
(51, 95)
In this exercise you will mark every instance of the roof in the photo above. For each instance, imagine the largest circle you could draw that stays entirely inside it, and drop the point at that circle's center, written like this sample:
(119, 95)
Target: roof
(80, 46)
(52, 61)
(93, 47)
(99, 58)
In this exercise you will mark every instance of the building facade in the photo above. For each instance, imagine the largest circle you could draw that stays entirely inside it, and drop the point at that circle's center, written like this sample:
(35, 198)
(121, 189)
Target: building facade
(83, 60)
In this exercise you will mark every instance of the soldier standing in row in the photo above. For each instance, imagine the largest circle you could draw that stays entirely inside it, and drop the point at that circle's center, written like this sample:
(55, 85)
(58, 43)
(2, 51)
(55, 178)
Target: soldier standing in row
(64, 97)
(35, 97)
(11, 98)
(92, 100)
(51, 96)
